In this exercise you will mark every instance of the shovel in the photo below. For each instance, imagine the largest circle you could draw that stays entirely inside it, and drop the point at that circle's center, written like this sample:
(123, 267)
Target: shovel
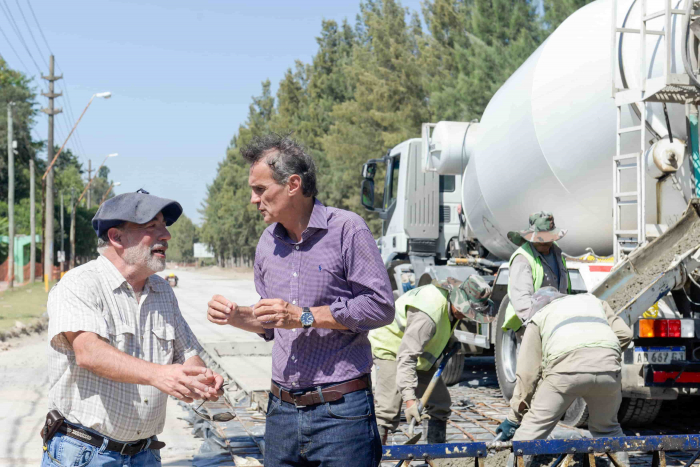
(413, 438)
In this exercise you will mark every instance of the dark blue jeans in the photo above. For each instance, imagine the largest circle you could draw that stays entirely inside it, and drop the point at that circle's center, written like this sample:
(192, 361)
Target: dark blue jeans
(335, 434)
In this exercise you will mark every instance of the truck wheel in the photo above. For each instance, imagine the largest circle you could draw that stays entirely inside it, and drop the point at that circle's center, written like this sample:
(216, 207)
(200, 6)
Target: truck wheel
(452, 374)
(507, 348)
(638, 412)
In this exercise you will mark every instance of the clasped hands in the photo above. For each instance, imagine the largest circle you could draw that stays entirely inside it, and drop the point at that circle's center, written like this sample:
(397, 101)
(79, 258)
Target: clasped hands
(190, 382)
(269, 313)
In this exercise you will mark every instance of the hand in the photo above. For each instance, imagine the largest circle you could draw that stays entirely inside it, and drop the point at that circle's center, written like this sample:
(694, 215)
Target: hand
(276, 313)
(220, 310)
(182, 382)
(508, 429)
(412, 412)
(212, 380)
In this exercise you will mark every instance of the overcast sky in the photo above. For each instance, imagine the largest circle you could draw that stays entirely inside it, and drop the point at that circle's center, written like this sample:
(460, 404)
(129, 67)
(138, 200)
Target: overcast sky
(181, 74)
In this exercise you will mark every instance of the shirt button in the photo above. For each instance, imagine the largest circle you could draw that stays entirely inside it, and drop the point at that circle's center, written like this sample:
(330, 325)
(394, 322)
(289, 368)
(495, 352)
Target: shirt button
(138, 432)
(295, 274)
(294, 330)
(294, 384)
(294, 302)
(296, 247)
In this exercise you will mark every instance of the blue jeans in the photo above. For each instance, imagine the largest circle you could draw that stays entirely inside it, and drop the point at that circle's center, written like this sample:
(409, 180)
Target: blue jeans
(334, 434)
(71, 452)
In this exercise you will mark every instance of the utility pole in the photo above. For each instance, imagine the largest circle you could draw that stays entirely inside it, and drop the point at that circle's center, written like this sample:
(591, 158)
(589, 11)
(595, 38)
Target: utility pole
(63, 246)
(32, 222)
(89, 193)
(48, 216)
(71, 264)
(10, 199)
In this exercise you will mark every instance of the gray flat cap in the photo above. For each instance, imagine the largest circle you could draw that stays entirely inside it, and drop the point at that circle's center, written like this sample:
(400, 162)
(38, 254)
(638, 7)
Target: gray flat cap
(139, 208)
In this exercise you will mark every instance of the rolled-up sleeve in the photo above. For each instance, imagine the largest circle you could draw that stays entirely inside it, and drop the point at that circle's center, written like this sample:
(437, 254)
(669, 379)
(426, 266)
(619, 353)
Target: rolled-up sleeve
(74, 306)
(372, 302)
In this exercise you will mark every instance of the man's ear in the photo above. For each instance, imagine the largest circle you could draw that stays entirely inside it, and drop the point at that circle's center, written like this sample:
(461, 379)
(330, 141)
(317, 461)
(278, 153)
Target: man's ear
(115, 236)
(294, 184)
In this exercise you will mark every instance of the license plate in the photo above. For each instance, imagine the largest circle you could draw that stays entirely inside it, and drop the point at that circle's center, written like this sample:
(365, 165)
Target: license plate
(658, 355)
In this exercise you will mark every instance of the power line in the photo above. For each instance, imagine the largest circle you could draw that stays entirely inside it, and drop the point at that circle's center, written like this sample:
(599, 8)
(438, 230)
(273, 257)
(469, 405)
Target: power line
(13, 23)
(38, 26)
(13, 49)
(26, 23)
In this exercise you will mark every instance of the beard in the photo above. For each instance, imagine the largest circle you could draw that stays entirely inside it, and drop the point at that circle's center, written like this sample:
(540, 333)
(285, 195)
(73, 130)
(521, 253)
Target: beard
(140, 255)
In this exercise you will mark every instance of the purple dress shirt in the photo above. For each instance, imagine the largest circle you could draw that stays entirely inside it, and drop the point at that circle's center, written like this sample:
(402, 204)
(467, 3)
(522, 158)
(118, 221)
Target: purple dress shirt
(335, 264)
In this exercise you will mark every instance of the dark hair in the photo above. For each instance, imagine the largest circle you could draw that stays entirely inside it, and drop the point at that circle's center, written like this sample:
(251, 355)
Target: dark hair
(285, 157)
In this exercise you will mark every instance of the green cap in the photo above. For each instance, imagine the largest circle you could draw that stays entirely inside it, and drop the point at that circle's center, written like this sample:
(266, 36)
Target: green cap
(541, 230)
(471, 297)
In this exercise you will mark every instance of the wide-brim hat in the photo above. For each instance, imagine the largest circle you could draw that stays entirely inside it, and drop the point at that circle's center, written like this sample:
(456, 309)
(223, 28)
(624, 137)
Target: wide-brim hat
(471, 297)
(542, 230)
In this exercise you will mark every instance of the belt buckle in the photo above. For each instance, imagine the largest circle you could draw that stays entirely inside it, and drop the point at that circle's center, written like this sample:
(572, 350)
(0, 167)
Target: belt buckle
(142, 444)
(296, 404)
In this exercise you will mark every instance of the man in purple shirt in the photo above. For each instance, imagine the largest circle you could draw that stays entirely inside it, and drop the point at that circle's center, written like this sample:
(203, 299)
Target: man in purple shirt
(323, 287)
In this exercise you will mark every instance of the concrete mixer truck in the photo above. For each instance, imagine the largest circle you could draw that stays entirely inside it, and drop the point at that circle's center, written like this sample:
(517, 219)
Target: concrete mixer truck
(600, 127)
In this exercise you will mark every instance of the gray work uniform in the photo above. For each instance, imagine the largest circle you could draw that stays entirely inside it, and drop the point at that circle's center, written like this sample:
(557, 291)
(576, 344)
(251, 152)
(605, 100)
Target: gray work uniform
(591, 373)
(521, 285)
(399, 379)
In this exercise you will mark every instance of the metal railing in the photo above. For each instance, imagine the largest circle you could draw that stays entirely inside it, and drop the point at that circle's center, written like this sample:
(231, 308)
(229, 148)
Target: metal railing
(564, 448)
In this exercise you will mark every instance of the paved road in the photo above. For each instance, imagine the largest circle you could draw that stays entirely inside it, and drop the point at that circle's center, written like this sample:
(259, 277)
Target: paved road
(24, 382)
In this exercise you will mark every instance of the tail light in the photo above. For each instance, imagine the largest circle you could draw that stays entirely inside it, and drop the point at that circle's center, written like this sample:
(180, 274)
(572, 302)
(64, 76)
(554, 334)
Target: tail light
(666, 328)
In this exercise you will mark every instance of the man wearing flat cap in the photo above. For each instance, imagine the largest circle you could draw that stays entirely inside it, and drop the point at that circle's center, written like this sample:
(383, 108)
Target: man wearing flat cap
(119, 344)
(537, 263)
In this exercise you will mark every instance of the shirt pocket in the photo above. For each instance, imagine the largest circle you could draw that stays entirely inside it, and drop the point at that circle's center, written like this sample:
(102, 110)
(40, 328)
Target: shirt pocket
(122, 336)
(162, 344)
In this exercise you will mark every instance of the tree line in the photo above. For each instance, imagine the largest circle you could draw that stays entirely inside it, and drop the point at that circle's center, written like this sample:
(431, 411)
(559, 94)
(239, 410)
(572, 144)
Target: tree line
(69, 172)
(369, 86)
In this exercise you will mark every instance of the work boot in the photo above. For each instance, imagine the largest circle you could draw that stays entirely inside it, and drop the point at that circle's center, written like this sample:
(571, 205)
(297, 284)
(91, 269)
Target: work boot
(383, 434)
(437, 431)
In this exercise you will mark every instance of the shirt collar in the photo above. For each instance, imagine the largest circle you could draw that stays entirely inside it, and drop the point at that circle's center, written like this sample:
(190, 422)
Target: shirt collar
(317, 221)
(115, 279)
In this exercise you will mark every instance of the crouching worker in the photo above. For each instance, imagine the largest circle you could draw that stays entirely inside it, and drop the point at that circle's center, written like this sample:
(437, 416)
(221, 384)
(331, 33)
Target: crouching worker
(574, 344)
(405, 351)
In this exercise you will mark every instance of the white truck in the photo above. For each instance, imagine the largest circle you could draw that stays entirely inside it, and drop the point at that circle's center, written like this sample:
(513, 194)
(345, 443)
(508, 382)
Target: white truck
(600, 127)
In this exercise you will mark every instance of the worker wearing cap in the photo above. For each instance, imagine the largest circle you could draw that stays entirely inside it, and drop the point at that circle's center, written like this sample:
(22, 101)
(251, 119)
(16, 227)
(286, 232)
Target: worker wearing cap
(118, 344)
(573, 344)
(405, 352)
(537, 263)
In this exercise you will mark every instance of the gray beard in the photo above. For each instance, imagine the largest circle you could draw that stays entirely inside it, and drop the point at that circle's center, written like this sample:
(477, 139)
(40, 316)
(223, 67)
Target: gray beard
(140, 255)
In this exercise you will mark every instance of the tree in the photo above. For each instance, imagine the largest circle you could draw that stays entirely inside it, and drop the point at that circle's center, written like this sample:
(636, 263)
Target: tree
(184, 235)
(556, 11)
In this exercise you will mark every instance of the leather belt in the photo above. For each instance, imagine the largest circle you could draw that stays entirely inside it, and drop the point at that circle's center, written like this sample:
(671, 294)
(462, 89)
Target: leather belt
(313, 396)
(126, 449)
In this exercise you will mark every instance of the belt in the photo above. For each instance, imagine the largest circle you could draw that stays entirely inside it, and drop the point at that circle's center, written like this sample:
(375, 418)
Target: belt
(126, 449)
(318, 395)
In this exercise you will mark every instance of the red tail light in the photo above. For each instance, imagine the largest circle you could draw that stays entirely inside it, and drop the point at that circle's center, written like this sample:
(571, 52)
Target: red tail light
(659, 328)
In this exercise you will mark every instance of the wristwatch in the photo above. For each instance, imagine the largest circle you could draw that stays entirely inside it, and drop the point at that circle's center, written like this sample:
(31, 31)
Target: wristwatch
(307, 318)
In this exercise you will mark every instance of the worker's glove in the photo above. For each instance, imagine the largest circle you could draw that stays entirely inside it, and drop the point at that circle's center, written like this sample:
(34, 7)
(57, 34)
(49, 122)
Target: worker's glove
(413, 413)
(508, 429)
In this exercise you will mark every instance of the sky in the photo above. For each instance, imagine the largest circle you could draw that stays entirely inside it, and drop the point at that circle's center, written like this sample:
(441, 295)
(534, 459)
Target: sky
(181, 74)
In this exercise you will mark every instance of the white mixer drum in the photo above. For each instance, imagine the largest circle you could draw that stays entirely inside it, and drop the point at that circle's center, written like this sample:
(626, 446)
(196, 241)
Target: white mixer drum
(547, 138)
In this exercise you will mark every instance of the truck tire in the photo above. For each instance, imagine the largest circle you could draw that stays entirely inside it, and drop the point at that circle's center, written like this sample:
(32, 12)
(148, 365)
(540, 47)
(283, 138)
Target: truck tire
(452, 374)
(638, 412)
(507, 348)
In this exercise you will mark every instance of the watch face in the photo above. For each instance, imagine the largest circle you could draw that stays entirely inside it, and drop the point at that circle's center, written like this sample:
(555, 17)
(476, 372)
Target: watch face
(307, 319)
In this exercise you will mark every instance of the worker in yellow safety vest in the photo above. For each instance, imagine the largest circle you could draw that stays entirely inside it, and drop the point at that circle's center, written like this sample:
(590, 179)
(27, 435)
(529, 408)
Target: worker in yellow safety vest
(572, 348)
(406, 351)
(537, 263)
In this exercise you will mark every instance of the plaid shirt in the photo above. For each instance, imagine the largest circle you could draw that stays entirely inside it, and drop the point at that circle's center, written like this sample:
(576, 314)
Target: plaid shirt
(96, 298)
(337, 264)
